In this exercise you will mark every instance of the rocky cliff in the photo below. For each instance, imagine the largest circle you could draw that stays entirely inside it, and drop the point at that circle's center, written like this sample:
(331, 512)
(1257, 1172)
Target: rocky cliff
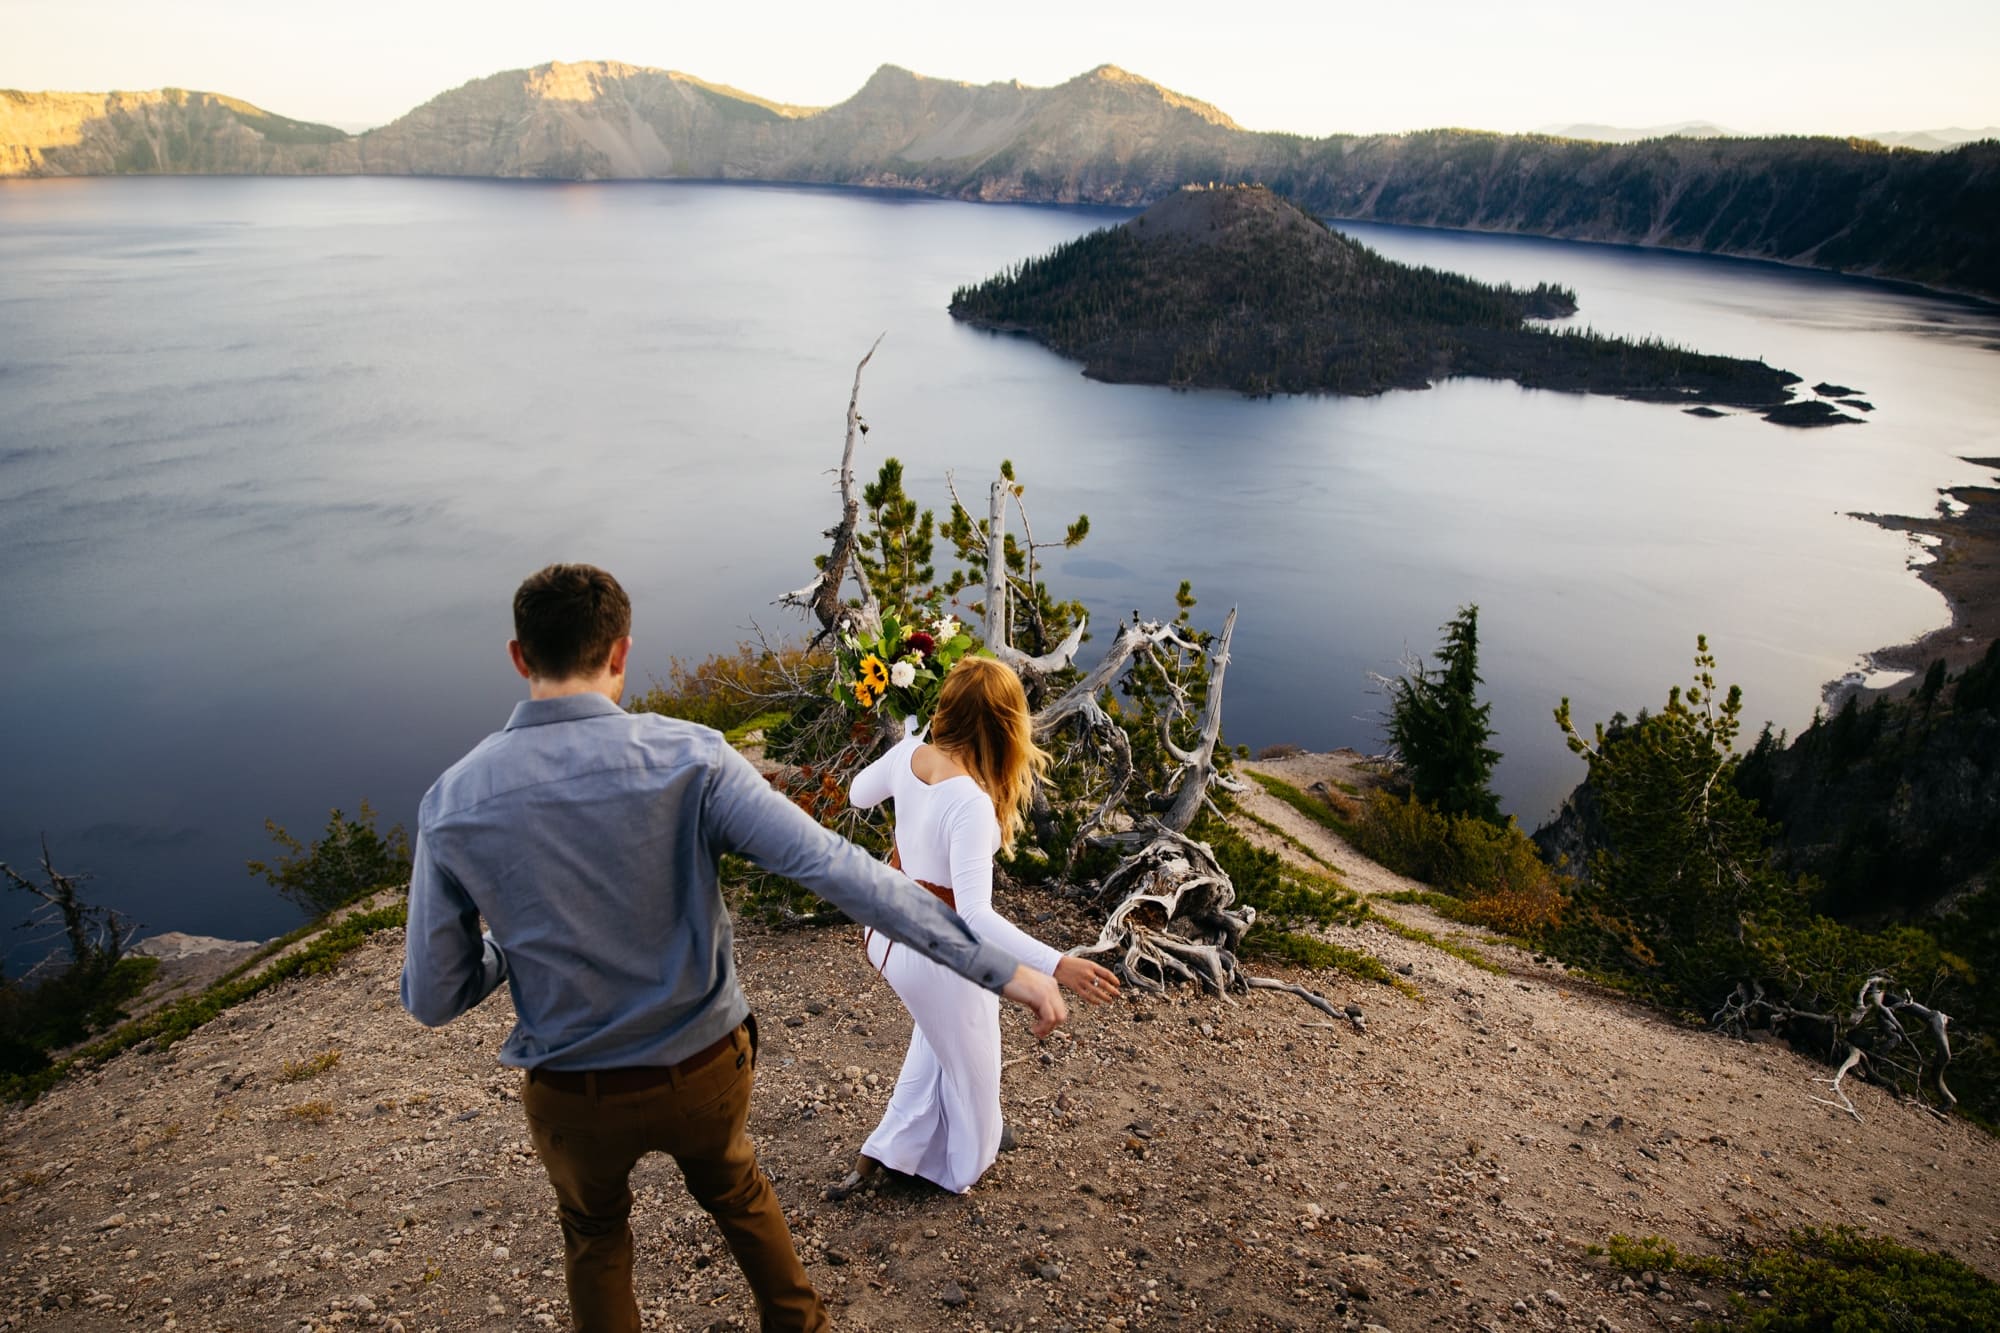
(1105, 137)
(167, 131)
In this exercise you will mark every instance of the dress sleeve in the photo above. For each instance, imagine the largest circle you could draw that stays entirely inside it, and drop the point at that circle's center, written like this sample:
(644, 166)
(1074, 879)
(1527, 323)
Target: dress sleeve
(975, 838)
(742, 814)
(877, 782)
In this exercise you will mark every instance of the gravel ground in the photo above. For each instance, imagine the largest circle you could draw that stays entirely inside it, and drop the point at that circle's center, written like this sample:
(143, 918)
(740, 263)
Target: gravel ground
(1182, 1163)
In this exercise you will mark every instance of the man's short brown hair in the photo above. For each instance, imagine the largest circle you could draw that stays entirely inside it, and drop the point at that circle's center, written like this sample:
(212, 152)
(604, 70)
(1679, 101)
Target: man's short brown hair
(567, 618)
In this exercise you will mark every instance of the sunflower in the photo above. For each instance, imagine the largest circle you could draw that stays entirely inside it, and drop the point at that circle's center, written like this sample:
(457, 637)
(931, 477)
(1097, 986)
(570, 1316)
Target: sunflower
(873, 680)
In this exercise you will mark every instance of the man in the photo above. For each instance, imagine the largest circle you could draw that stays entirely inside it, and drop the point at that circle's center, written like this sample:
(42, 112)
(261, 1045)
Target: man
(587, 837)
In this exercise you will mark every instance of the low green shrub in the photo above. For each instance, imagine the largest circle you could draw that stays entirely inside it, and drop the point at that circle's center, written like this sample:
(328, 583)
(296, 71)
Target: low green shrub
(1840, 1279)
(1318, 811)
(167, 1025)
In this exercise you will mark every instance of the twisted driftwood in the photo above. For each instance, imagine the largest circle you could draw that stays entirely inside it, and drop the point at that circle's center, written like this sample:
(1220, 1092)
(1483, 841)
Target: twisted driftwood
(1878, 1011)
(1173, 915)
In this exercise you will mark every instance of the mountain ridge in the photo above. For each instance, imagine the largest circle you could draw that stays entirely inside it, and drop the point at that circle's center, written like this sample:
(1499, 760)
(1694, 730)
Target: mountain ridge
(1105, 137)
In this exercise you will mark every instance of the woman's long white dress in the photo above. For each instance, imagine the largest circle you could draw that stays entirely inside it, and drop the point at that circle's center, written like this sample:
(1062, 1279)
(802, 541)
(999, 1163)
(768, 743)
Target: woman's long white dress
(943, 1121)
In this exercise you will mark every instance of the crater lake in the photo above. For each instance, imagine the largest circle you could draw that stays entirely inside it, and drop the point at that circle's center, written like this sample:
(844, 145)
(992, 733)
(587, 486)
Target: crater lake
(274, 454)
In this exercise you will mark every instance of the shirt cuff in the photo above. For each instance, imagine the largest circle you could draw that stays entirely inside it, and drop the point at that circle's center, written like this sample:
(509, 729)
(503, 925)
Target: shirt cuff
(492, 965)
(993, 967)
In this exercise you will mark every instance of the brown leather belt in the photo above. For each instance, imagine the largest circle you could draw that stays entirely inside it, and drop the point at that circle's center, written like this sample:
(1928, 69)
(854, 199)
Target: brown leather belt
(633, 1078)
(937, 891)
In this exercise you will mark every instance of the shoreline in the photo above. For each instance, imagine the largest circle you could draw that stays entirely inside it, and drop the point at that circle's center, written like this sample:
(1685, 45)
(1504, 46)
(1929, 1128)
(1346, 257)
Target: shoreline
(1986, 300)
(1965, 569)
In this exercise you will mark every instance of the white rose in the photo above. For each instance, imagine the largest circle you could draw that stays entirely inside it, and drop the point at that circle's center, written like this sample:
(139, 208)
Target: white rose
(946, 629)
(902, 675)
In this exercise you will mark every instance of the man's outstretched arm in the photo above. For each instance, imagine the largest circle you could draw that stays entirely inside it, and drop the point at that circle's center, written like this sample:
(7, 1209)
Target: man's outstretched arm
(744, 815)
(448, 966)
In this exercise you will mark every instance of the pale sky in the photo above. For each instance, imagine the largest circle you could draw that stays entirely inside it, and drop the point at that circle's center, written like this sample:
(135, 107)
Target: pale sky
(1833, 66)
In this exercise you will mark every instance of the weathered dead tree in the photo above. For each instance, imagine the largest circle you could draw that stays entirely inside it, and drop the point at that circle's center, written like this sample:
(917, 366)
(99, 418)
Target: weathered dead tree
(1869, 1034)
(1171, 910)
(96, 936)
(823, 598)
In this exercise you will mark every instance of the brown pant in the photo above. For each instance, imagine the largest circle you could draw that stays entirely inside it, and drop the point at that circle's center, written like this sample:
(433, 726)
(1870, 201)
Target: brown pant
(589, 1142)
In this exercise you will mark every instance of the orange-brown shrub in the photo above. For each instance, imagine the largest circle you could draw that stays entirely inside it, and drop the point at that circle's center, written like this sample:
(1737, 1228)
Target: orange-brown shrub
(726, 689)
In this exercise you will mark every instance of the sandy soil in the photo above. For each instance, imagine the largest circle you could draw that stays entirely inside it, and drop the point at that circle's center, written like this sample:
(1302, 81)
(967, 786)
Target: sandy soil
(1183, 1163)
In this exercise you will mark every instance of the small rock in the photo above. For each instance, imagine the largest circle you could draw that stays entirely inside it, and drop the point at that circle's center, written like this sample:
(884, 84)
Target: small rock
(1049, 1272)
(838, 1258)
(361, 1301)
(500, 1253)
(952, 1294)
(112, 1223)
(1552, 1297)
(1521, 1308)
(930, 1233)
(794, 1021)
(815, 1008)
(1008, 1142)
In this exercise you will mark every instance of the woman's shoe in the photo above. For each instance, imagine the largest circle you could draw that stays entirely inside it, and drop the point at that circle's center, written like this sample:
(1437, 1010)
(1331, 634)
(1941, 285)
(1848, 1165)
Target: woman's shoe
(867, 1171)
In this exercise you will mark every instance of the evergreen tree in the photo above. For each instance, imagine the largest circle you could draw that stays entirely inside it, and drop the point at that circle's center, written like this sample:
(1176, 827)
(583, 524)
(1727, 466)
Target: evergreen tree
(896, 548)
(349, 860)
(1439, 728)
(1686, 862)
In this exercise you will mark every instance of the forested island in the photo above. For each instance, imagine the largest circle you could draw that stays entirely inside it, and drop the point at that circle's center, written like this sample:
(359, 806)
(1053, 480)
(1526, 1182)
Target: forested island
(1233, 287)
(1106, 136)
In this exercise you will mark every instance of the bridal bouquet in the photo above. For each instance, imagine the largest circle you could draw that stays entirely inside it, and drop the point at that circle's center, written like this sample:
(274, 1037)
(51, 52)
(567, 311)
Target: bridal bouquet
(900, 670)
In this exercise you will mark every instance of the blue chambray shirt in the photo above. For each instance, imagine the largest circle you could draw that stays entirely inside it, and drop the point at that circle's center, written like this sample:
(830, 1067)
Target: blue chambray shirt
(588, 837)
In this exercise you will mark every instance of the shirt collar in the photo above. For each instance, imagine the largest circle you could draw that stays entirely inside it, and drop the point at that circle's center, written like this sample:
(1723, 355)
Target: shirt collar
(566, 708)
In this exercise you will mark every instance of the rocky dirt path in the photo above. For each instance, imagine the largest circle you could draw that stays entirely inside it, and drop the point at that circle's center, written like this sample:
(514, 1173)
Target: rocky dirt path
(1183, 1163)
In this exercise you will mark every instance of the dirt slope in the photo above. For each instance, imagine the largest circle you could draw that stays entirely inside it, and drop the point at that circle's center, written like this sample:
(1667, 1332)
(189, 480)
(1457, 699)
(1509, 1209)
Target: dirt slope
(1183, 1163)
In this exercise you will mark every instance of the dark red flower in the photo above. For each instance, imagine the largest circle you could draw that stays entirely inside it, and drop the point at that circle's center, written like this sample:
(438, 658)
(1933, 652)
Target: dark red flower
(921, 642)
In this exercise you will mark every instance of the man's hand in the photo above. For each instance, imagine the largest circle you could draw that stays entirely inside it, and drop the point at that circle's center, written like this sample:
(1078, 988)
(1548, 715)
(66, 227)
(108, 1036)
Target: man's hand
(1038, 993)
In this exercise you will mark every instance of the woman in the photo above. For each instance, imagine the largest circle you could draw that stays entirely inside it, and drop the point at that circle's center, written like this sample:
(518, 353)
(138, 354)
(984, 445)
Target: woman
(959, 800)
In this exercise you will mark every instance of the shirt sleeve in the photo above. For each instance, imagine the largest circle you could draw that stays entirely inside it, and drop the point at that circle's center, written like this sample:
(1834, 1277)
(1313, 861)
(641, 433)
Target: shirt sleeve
(877, 782)
(448, 965)
(975, 838)
(742, 814)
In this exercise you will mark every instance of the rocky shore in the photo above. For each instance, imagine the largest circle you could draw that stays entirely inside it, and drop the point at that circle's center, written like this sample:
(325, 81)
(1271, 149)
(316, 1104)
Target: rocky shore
(1965, 568)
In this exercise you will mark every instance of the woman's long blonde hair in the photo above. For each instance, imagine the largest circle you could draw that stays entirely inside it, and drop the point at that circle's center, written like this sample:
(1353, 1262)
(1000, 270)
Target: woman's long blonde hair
(982, 722)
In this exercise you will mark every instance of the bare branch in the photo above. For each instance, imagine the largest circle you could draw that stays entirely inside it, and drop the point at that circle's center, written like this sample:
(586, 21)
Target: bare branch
(821, 597)
(1198, 766)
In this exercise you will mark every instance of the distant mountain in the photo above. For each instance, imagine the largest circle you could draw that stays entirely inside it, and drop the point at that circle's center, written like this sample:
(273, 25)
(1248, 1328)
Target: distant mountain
(1686, 129)
(1105, 137)
(169, 130)
(1231, 287)
(1934, 141)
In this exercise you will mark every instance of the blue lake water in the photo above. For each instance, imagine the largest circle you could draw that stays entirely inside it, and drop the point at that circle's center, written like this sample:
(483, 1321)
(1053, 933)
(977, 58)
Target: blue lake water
(274, 453)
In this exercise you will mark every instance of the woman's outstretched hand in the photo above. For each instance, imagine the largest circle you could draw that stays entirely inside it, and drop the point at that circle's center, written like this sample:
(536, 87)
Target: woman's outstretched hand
(1091, 983)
